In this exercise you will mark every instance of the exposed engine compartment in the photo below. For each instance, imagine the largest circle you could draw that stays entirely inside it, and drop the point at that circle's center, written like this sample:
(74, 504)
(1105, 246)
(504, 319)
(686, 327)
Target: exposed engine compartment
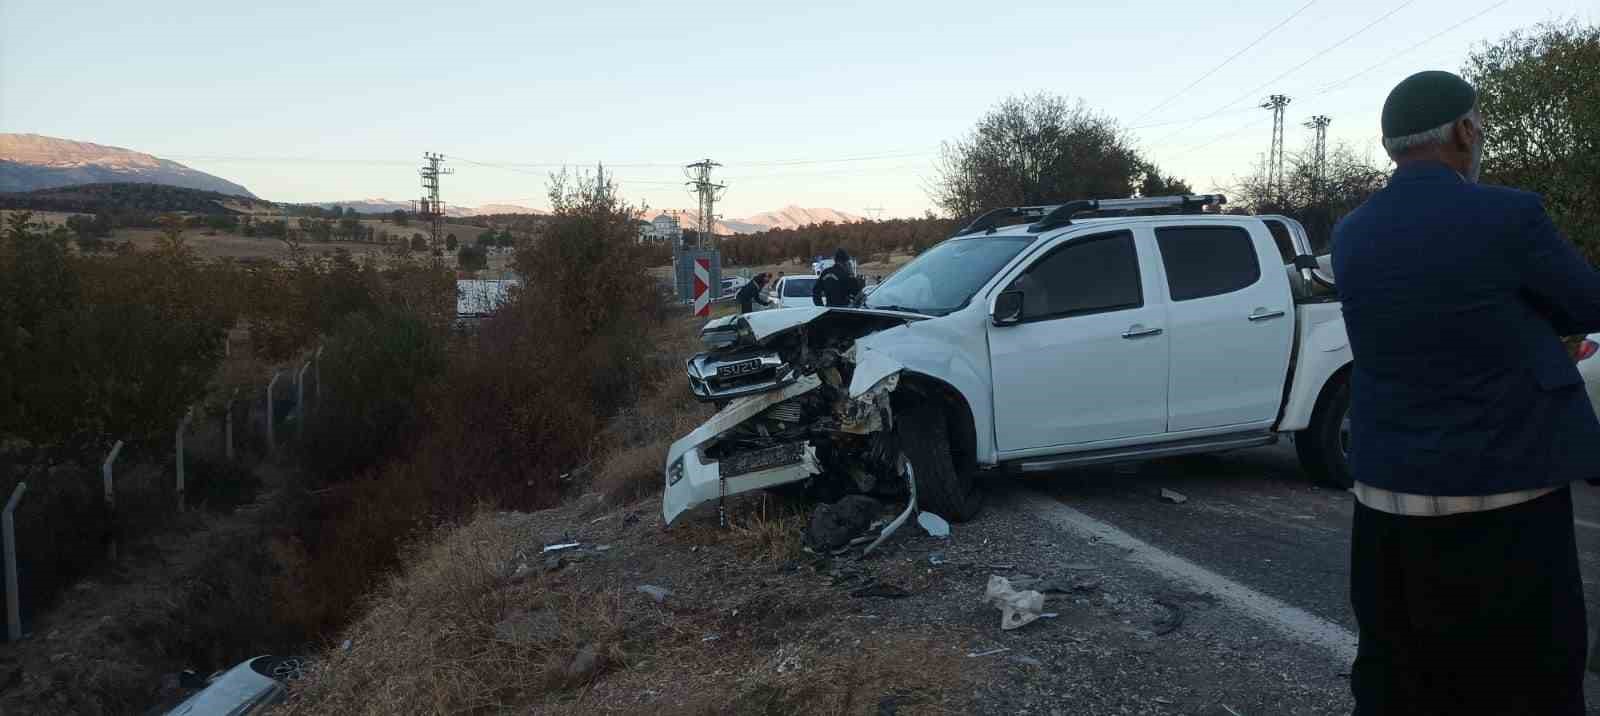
(843, 441)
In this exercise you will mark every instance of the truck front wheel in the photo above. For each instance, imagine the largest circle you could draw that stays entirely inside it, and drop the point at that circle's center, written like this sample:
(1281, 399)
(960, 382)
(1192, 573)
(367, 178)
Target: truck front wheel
(943, 488)
(1324, 446)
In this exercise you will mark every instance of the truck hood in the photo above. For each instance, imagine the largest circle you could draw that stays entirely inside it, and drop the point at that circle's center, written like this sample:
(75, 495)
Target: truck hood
(765, 324)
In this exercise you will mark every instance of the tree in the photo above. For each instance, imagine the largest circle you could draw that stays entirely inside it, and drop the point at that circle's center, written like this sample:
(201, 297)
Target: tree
(1153, 183)
(1539, 94)
(450, 242)
(399, 217)
(1316, 202)
(487, 238)
(1037, 149)
(349, 228)
(419, 242)
(472, 258)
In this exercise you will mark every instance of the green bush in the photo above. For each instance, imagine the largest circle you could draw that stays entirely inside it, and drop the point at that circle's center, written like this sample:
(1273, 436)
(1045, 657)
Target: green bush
(374, 367)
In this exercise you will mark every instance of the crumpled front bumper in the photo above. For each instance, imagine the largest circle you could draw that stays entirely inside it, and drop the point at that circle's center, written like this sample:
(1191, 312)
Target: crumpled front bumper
(692, 480)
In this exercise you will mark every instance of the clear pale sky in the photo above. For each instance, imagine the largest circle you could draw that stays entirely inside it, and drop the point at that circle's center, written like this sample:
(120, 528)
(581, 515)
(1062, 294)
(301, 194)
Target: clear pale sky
(820, 104)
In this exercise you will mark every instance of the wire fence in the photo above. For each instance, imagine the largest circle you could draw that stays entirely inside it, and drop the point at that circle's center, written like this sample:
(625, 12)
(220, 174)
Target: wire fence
(80, 516)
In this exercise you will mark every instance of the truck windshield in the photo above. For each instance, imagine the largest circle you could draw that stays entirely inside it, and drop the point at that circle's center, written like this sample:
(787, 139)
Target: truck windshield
(945, 277)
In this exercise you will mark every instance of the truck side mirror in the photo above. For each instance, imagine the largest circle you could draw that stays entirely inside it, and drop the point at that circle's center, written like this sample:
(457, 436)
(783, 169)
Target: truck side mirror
(1007, 308)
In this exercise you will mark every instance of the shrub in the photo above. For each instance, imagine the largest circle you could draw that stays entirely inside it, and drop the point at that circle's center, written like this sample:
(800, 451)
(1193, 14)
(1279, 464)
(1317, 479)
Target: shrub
(374, 366)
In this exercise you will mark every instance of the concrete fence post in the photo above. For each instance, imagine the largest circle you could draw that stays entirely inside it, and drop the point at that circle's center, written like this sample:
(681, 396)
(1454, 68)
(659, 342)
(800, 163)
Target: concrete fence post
(317, 376)
(300, 401)
(183, 426)
(8, 524)
(111, 497)
(272, 442)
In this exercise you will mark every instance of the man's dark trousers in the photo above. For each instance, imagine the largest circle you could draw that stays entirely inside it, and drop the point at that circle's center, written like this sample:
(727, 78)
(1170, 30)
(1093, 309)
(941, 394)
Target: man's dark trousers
(1472, 613)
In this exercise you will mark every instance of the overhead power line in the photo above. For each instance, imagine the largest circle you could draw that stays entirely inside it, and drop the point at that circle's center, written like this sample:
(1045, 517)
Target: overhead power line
(1224, 63)
(1253, 91)
(1391, 58)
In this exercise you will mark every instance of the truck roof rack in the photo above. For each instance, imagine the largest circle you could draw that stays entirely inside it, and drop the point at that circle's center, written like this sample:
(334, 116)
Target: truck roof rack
(1058, 215)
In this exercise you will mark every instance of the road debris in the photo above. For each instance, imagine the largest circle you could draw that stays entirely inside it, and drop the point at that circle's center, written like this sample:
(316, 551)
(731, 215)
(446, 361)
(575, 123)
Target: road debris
(659, 594)
(990, 652)
(1173, 496)
(834, 526)
(936, 558)
(934, 525)
(1017, 609)
(562, 546)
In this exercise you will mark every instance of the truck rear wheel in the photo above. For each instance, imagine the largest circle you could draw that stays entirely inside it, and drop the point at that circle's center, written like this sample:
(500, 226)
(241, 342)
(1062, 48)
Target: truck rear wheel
(1324, 446)
(943, 488)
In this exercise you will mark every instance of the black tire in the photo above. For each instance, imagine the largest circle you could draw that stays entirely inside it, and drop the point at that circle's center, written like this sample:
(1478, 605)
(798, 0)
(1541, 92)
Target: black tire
(1323, 454)
(942, 488)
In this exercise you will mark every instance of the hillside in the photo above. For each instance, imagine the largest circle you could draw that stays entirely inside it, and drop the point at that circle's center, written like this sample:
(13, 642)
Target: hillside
(33, 161)
(386, 206)
(794, 217)
(123, 197)
(789, 217)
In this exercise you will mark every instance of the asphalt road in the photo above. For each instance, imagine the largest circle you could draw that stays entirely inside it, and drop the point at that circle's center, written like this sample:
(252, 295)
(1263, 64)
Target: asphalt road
(1253, 518)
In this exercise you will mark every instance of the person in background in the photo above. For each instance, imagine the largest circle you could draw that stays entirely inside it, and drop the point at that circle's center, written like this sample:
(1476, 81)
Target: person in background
(1468, 423)
(753, 292)
(838, 285)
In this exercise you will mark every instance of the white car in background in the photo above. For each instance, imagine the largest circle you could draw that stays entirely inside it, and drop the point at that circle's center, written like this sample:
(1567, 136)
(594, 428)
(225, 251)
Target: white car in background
(793, 292)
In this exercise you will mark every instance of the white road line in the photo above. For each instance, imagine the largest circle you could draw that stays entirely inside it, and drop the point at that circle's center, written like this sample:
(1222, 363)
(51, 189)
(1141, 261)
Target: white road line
(1586, 523)
(1292, 621)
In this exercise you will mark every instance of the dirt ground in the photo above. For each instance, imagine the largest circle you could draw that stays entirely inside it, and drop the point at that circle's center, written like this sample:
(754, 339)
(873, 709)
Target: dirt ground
(752, 622)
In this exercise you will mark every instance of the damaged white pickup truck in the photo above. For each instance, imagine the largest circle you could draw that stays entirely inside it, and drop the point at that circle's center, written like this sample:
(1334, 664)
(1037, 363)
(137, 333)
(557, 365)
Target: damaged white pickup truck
(1028, 348)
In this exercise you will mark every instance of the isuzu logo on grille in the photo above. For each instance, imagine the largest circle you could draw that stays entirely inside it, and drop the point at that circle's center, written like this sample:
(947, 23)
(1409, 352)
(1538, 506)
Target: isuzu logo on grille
(734, 370)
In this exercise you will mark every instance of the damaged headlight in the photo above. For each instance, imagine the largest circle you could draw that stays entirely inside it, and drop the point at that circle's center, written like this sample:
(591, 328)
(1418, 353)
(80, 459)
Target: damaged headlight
(675, 472)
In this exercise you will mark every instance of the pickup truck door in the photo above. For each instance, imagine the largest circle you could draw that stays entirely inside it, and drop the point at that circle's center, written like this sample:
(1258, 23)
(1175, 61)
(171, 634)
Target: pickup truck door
(1231, 318)
(1087, 358)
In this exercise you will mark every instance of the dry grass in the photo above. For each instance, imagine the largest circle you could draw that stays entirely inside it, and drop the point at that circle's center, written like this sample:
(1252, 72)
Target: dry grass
(477, 623)
(635, 442)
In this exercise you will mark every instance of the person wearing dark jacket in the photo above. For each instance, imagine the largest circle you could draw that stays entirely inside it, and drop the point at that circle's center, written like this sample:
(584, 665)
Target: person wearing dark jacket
(838, 285)
(1468, 423)
(751, 293)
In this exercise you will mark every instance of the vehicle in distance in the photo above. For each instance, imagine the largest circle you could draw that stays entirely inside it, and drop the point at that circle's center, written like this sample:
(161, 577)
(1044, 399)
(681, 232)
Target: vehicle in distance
(792, 292)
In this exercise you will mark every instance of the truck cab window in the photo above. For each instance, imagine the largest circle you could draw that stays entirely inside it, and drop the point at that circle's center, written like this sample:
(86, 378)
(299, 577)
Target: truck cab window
(1203, 261)
(1092, 275)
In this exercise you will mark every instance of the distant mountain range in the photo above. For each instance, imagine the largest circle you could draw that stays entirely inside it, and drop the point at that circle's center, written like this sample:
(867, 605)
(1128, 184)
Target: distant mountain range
(789, 217)
(30, 162)
(385, 206)
(33, 161)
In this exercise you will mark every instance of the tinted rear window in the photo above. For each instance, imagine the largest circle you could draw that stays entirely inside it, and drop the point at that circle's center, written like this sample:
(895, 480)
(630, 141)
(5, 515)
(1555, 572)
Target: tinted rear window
(1206, 261)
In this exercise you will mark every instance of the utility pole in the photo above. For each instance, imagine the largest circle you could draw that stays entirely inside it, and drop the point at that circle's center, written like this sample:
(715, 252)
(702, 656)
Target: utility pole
(432, 207)
(699, 174)
(1319, 170)
(1276, 103)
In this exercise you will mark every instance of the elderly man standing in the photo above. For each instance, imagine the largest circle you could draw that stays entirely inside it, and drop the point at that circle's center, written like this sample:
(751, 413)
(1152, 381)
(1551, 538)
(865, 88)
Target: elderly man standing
(1468, 422)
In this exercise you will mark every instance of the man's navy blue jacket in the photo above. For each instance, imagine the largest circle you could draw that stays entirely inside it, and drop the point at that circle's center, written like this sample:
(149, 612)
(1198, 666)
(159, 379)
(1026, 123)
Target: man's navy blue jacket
(1455, 298)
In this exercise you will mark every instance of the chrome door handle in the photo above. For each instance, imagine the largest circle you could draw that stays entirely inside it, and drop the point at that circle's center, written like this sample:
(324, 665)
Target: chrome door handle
(1137, 331)
(1262, 314)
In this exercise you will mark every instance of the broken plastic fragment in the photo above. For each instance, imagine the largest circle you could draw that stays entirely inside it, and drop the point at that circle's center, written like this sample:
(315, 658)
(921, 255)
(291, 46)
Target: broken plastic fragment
(935, 525)
(557, 547)
(911, 506)
(1017, 609)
